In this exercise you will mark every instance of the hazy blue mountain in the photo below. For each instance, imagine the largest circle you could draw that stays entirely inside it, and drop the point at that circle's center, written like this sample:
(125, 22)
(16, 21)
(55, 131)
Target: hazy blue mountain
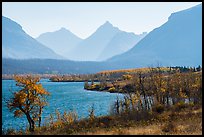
(176, 42)
(60, 41)
(19, 45)
(104, 43)
(90, 48)
(120, 43)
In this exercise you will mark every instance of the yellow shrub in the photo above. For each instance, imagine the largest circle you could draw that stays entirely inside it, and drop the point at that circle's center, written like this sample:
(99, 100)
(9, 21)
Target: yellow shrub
(112, 89)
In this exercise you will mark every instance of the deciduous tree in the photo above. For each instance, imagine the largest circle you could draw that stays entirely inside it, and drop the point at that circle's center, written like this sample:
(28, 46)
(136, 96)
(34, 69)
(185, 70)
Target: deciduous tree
(29, 100)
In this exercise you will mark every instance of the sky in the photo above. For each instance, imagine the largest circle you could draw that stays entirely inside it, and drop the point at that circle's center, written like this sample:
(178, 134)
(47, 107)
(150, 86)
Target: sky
(83, 18)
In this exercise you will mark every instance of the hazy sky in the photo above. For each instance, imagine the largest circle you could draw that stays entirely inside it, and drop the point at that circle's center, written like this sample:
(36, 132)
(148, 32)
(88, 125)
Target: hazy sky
(83, 18)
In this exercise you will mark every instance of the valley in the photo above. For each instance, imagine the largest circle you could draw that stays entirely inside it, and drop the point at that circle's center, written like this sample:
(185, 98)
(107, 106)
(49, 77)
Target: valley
(102, 68)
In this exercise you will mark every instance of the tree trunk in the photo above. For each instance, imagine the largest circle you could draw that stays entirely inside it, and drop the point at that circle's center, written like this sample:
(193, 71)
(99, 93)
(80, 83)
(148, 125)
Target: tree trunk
(117, 106)
(167, 98)
(31, 122)
(39, 119)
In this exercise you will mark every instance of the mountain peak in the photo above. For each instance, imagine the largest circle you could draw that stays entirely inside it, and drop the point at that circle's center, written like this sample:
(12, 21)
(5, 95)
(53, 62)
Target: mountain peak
(108, 26)
(107, 23)
(63, 29)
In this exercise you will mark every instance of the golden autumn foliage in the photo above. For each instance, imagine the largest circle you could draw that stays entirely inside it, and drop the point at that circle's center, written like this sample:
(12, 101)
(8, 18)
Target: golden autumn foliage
(127, 77)
(166, 86)
(29, 100)
(154, 99)
(130, 70)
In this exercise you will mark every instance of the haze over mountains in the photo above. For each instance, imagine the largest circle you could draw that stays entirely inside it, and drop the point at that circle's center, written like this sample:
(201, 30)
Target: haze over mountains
(120, 43)
(103, 43)
(178, 42)
(106, 42)
(60, 41)
(19, 45)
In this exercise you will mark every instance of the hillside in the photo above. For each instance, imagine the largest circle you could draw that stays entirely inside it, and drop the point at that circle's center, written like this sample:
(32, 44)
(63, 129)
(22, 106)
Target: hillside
(120, 43)
(178, 42)
(50, 66)
(17, 44)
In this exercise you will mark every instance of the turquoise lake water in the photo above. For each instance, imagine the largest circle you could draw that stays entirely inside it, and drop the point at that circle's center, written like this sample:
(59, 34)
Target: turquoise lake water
(65, 96)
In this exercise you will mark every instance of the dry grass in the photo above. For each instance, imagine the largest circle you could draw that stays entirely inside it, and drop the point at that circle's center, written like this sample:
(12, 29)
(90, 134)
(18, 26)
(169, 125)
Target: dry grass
(182, 123)
(187, 121)
(130, 70)
(148, 130)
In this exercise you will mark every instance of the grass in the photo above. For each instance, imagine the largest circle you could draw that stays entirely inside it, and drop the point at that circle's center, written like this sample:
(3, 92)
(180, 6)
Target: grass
(184, 121)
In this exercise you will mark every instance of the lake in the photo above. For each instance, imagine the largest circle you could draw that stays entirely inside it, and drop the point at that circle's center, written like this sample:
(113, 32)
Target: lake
(65, 96)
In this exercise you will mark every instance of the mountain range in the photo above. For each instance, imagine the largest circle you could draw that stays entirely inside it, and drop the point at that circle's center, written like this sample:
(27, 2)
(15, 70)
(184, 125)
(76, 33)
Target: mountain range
(178, 42)
(107, 41)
